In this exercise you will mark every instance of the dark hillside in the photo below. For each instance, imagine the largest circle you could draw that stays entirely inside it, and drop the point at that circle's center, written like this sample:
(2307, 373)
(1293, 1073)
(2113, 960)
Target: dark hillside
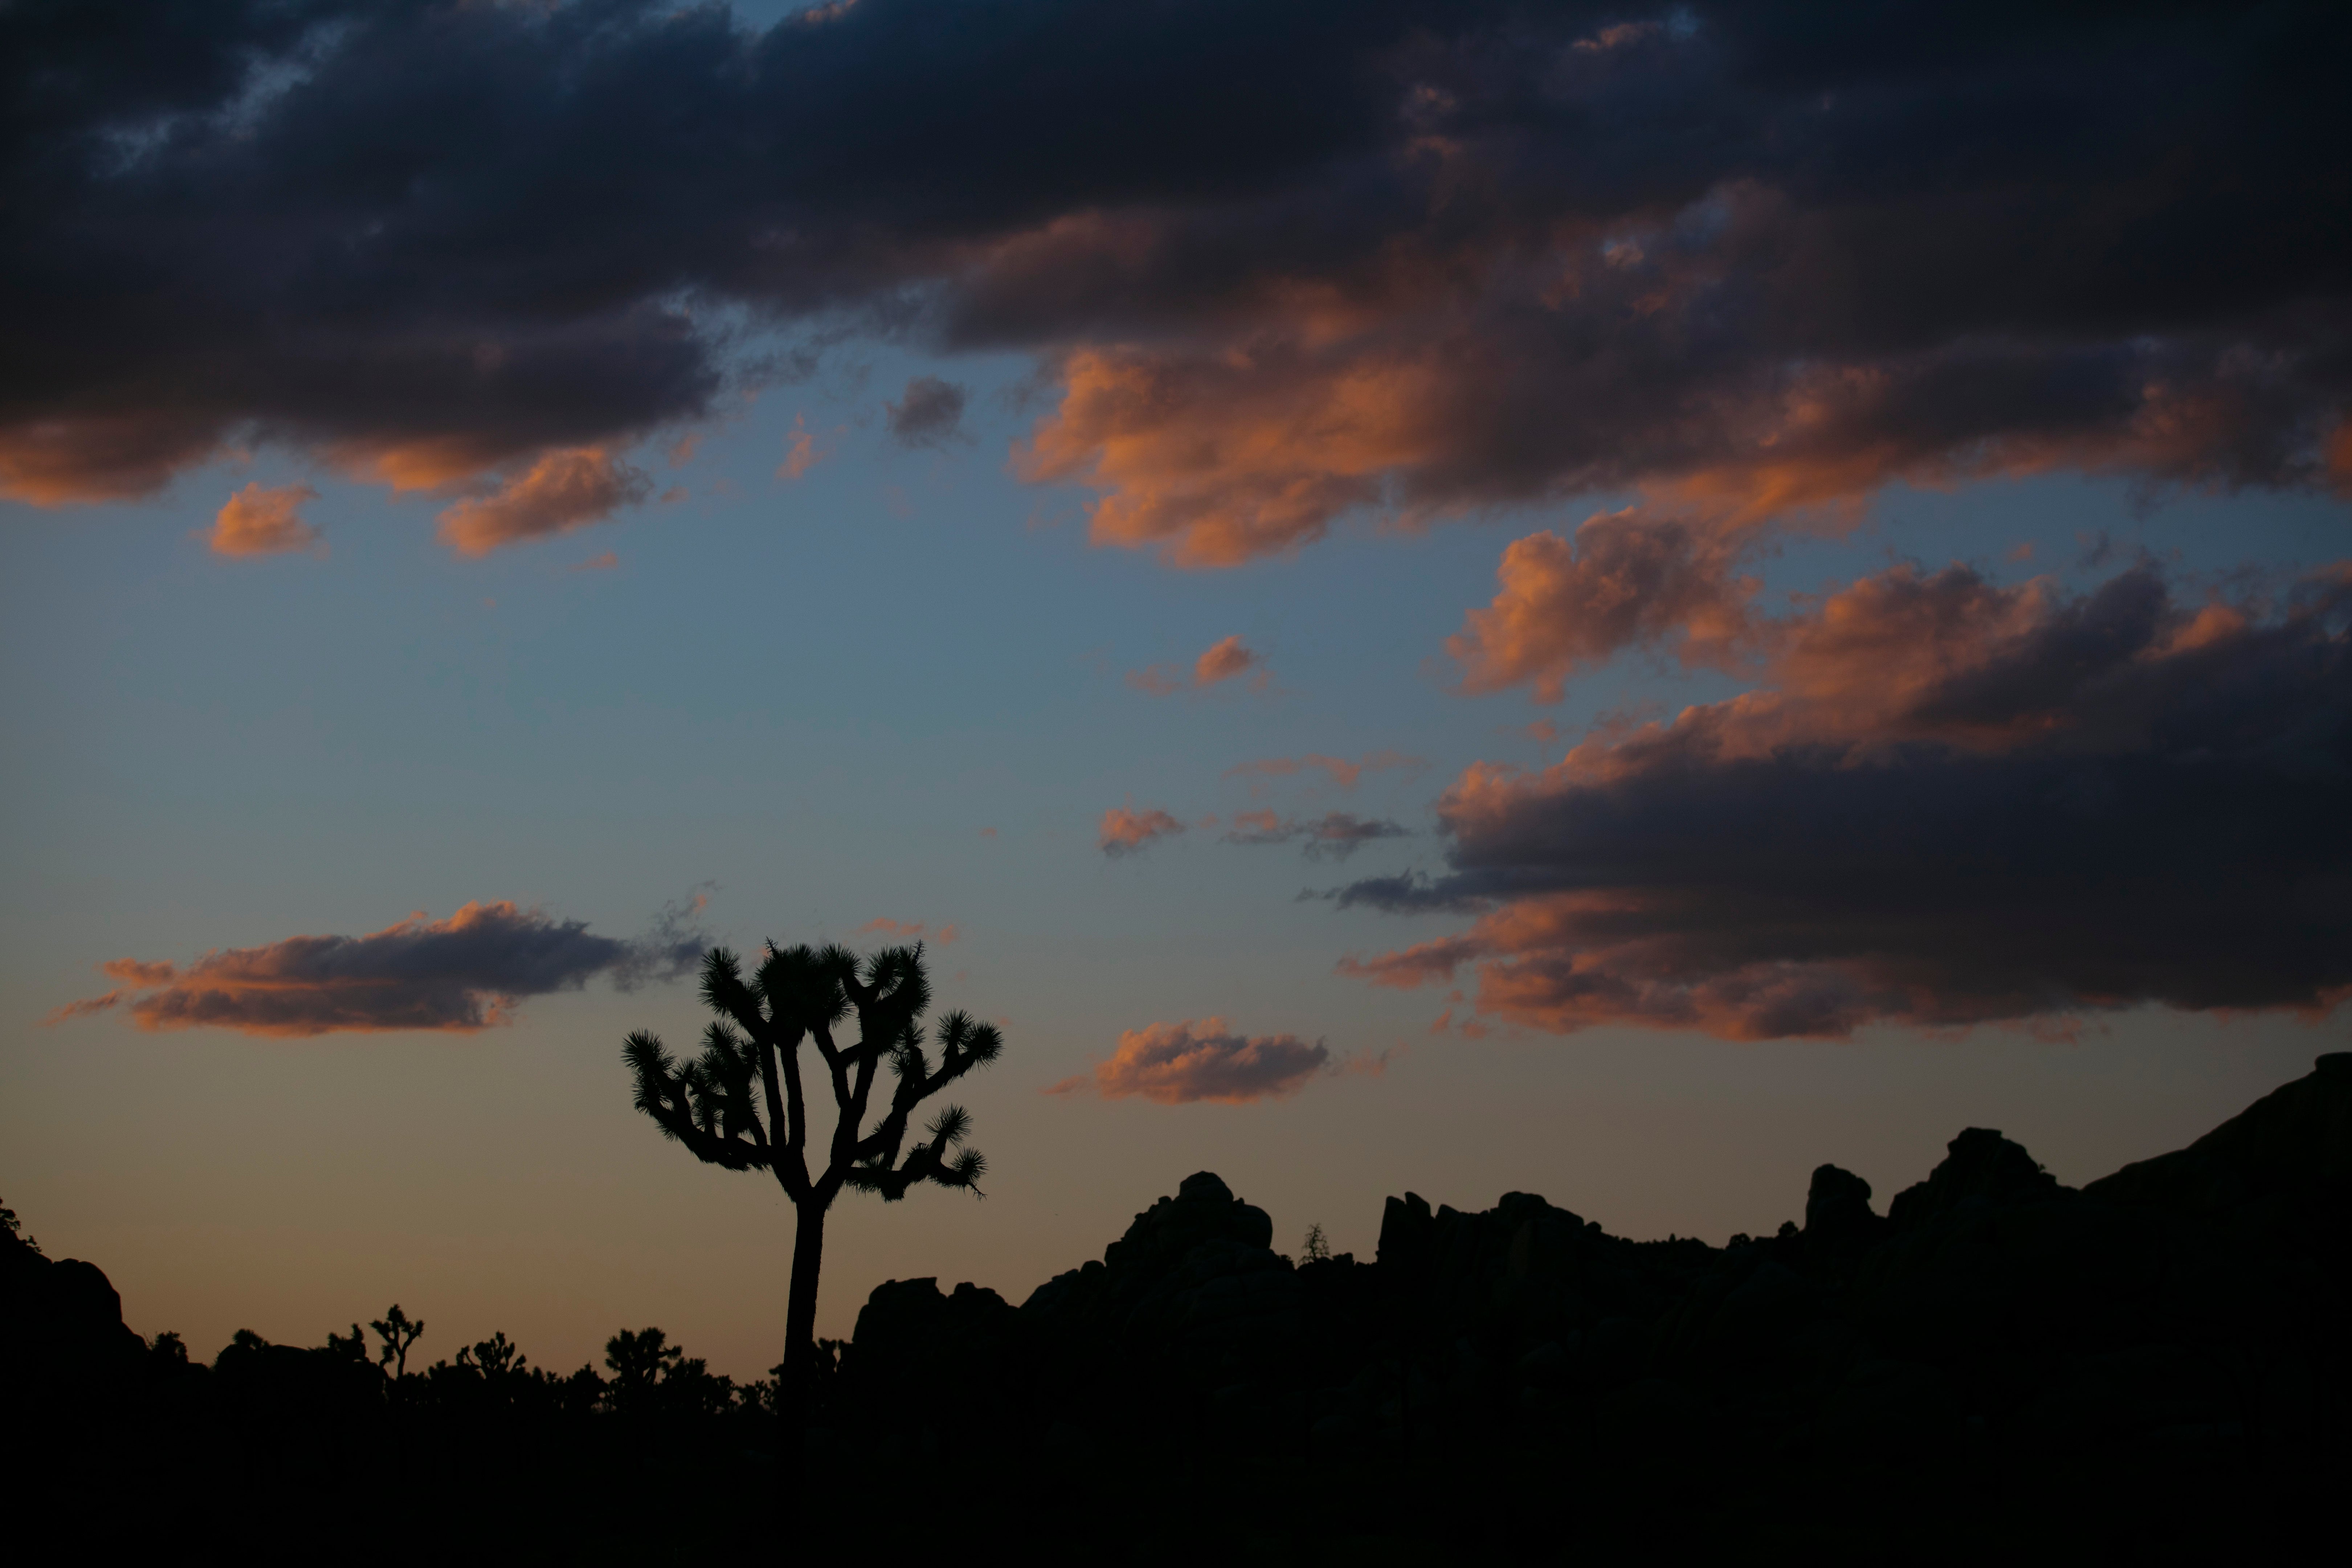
(2151, 1365)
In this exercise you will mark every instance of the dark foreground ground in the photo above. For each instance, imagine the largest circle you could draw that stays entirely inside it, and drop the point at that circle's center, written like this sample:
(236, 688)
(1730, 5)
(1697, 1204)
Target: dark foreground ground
(2151, 1368)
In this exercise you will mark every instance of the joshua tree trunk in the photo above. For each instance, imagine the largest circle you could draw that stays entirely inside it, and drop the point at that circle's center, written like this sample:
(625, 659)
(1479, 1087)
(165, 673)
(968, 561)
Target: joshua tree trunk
(796, 1389)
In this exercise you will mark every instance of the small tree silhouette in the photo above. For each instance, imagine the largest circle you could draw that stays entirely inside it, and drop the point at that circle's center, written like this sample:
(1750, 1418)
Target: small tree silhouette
(493, 1357)
(1318, 1246)
(740, 1104)
(397, 1333)
(14, 1230)
(640, 1359)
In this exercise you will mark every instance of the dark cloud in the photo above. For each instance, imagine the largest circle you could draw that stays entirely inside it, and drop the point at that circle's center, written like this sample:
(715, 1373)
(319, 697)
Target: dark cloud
(464, 973)
(1335, 835)
(1420, 258)
(1960, 804)
(930, 413)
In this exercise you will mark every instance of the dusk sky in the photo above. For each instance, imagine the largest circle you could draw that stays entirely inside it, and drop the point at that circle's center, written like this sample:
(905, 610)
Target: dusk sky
(1606, 601)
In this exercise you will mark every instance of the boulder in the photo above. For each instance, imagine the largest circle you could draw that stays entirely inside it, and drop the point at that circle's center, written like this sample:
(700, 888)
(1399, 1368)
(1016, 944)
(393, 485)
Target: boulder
(1840, 1225)
(1980, 1167)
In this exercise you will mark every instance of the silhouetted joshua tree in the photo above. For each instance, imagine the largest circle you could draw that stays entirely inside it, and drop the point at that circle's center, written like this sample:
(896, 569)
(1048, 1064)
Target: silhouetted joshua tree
(397, 1333)
(740, 1103)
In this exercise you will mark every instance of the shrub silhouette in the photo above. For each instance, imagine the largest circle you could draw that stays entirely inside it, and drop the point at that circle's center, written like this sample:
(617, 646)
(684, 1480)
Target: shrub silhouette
(741, 1104)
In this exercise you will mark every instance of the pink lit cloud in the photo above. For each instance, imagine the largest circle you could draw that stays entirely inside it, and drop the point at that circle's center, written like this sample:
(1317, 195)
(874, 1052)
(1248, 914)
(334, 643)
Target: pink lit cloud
(561, 491)
(262, 520)
(1176, 1064)
(1124, 831)
(1228, 660)
(806, 449)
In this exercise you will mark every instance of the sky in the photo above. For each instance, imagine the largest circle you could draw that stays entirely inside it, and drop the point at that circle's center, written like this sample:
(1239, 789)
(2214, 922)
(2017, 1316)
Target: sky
(1611, 602)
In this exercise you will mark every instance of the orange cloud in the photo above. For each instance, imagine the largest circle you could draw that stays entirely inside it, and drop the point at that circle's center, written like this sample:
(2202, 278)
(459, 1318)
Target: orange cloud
(1490, 367)
(944, 936)
(264, 521)
(421, 463)
(561, 490)
(605, 563)
(1226, 660)
(458, 976)
(1628, 580)
(56, 461)
(1175, 1064)
(1216, 461)
(1123, 832)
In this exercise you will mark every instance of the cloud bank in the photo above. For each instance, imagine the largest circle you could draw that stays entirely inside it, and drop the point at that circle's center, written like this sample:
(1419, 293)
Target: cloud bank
(458, 976)
(1420, 260)
(1175, 1064)
(1958, 804)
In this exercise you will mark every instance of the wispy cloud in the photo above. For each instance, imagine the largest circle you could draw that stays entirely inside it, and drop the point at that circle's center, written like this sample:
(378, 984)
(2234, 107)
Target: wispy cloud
(1336, 834)
(1229, 658)
(1124, 831)
(804, 448)
(561, 490)
(1341, 771)
(930, 413)
(883, 925)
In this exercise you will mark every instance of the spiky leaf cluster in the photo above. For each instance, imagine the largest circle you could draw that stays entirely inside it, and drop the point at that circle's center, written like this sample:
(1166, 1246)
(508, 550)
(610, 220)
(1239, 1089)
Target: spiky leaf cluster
(743, 1104)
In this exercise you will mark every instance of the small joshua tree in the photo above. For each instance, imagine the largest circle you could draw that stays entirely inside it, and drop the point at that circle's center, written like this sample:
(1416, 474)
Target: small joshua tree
(397, 1333)
(740, 1104)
